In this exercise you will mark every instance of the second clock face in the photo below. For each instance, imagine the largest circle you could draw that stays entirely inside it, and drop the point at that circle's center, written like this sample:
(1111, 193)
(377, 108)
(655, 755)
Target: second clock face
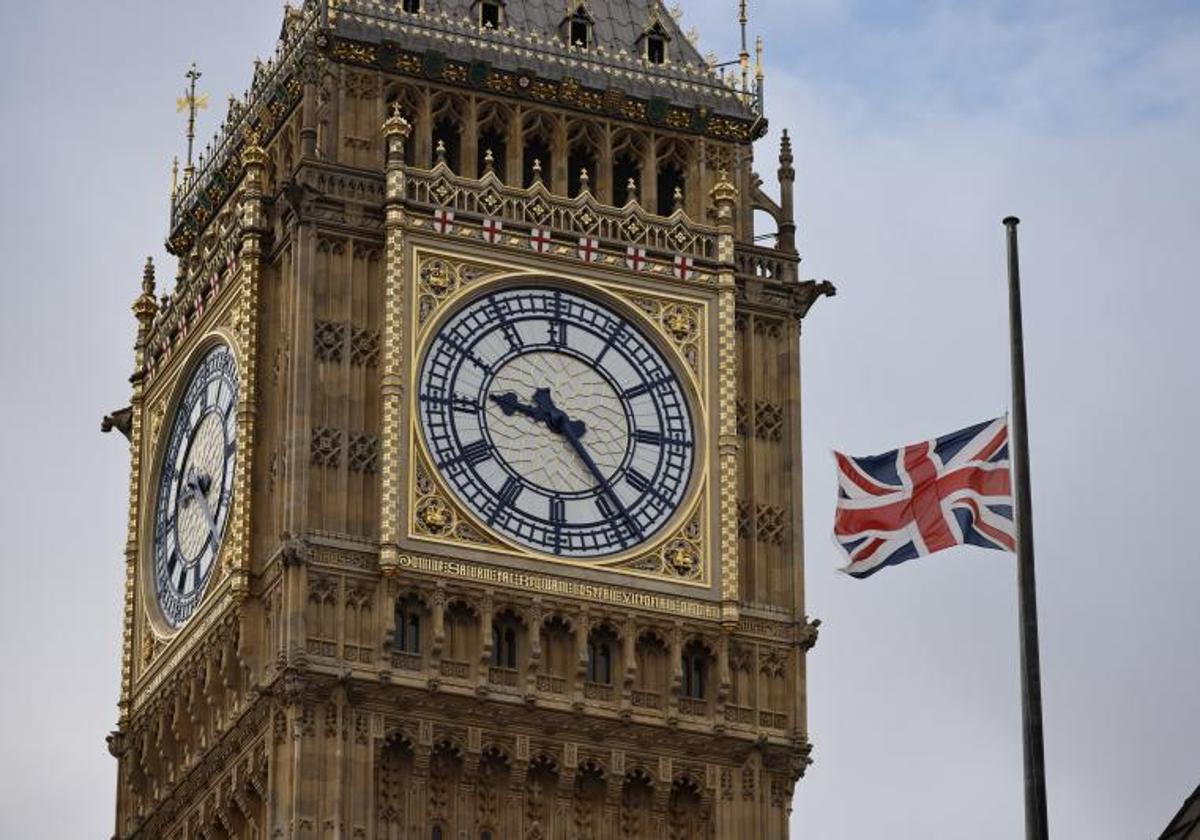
(195, 485)
(556, 421)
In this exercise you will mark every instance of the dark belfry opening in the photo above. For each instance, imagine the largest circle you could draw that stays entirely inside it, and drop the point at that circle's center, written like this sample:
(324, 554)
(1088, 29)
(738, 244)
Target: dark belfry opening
(656, 49)
(492, 140)
(577, 161)
(489, 14)
(670, 178)
(411, 6)
(580, 31)
(537, 149)
(446, 132)
(625, 169)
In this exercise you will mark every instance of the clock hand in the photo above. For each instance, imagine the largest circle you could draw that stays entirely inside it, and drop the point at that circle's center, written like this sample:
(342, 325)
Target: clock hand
(197, 486)
(510, 405)
(560, 422)
(542, 411)
(556, 418)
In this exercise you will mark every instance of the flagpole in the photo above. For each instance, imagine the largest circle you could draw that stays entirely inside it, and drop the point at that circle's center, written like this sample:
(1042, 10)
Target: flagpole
(1031, 680)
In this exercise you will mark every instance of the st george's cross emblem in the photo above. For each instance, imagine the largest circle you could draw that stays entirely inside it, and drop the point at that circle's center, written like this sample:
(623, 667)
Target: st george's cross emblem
(635, 258)
(683, 267)
(443, 220)
(539, 240)
(918, 499)
(589, 249)
(492, 228)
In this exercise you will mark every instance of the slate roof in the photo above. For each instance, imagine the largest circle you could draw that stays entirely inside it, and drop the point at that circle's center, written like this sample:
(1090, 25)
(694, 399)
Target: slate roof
(530, 39)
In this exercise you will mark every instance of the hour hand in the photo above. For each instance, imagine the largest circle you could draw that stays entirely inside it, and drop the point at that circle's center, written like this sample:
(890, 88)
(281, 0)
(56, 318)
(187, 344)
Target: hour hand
(556, 418)
(543, 410)
(510, 405)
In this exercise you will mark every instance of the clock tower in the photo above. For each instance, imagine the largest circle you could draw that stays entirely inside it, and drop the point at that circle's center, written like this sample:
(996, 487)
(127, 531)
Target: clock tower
(465, 497)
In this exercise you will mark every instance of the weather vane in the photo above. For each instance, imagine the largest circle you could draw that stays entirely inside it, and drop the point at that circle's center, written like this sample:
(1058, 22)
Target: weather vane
(191, 102)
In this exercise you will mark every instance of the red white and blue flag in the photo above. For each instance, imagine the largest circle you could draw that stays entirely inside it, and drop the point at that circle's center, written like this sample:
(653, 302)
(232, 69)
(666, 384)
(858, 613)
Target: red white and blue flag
(952, 490)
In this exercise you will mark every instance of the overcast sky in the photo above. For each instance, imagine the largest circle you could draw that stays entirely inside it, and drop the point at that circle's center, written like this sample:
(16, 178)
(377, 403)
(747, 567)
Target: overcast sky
(918, 126)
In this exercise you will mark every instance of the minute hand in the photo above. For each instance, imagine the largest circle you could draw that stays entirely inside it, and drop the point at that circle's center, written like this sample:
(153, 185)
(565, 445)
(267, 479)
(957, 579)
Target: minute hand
(582, 452)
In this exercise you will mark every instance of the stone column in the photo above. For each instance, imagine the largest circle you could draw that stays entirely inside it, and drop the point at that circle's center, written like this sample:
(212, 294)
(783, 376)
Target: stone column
(254, 230)
(724, 198)
(395, 133)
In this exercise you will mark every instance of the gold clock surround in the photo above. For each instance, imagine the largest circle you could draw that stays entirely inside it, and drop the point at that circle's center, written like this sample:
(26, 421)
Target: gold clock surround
(676, 321)
(164, 402)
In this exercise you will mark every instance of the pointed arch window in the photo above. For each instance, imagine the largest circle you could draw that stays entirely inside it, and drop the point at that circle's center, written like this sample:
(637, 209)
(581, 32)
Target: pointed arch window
(491, 13)
(654, 41)
(408, 627)
(504, 645)
(599, 661)
(695, 671)
(578, 29)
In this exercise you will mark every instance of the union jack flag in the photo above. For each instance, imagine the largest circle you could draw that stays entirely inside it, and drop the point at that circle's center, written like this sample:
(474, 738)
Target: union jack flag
(952, 490)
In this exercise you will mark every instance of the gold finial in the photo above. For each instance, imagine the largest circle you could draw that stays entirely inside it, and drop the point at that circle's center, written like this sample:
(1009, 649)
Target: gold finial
(758, 56)
(145, 307)
(174, 175)
(724, 193)
(148, 277)
(396, 124)
(252, 153)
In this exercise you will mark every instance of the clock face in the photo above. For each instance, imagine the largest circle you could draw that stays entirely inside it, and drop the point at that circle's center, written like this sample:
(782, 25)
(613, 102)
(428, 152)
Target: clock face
(195, 485)
(556, 422)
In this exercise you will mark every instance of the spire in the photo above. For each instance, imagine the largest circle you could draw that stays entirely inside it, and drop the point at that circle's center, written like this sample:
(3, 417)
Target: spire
(744, 55)
(759, 74)
(787, 178)
(191, 103)
(786, 172)
(145, 307)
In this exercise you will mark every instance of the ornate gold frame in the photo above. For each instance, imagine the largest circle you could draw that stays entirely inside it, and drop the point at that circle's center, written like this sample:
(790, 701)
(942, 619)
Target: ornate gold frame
(164, 405)
(680, 323)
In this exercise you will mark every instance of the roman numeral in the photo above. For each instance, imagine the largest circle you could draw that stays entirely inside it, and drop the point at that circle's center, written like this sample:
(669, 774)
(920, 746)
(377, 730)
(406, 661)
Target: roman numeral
(509, 492)
(637, 481)
(638, 390)
(558, 332)
(476, 452)
(645, 436)
(612, 339)
(605, 506)
(506, 498)
(558, 511)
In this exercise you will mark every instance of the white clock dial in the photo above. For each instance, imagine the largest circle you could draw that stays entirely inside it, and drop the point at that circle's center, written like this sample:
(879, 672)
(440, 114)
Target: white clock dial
(195, 485)
(556, 421)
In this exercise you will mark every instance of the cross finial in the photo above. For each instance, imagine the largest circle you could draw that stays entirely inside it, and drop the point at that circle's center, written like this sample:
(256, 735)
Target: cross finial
(441, 151)
(396, 109)
(148, 277)
(191, 103)
(489, 161)
(584, 180)
(631, 188)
